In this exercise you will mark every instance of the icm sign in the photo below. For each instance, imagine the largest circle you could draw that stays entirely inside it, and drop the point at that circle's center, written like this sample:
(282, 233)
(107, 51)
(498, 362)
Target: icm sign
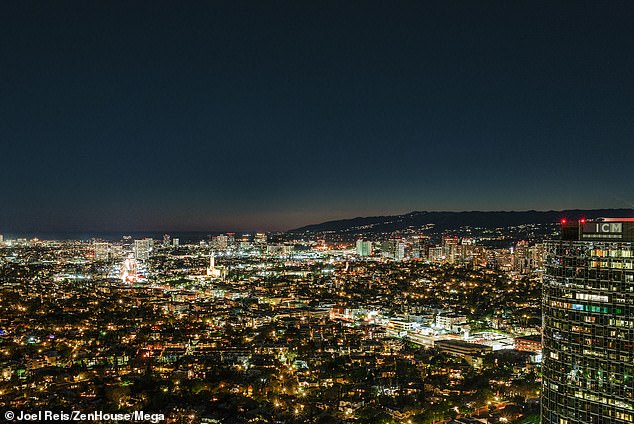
(603, 227)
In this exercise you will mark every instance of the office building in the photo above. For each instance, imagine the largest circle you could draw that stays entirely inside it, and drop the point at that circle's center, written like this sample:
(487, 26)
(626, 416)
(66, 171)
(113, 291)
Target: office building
(231, 240)
(116, 252)
(467, 249)
(364, 247)
(420, 247)
(142, 249)
(393, 248)
(450, 248)
(435, 254)
(260, 239)
(101, 251)
(537, 254)
(220, 242)
(451, 322)
(279, 249)
(588, 313)
(521, 259)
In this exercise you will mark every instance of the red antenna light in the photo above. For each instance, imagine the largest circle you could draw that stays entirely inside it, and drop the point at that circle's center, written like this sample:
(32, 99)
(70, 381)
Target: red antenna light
(582, 220)
(563, 220)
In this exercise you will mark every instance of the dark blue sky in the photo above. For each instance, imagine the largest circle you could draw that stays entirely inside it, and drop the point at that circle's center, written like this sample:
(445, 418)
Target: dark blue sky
(266, 115)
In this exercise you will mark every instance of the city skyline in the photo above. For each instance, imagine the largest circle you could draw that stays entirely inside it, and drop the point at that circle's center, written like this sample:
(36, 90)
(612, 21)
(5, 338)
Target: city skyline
(453, 221)
(328, 212)
(271, 116)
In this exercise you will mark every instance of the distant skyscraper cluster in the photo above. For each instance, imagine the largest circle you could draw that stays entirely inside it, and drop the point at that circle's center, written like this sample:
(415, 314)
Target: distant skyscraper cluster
(522, 258)
(143, 249)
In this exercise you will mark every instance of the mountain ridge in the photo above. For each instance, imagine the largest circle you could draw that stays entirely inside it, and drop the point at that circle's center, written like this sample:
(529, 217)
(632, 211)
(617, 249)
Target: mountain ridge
(449, 219)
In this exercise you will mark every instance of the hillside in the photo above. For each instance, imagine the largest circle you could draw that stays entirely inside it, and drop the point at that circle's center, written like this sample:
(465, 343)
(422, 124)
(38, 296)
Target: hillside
(450, 220)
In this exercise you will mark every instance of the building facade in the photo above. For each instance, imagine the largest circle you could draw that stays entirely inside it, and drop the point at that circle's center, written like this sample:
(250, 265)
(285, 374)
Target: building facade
(588, 317)
(143, 249)
(101, 251)
(364, 247)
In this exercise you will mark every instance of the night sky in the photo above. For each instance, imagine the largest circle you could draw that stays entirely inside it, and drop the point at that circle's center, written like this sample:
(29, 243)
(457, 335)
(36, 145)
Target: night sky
(262, 115)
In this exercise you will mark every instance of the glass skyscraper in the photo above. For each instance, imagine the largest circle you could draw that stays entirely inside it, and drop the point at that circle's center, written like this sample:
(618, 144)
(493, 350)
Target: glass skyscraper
(588, 316)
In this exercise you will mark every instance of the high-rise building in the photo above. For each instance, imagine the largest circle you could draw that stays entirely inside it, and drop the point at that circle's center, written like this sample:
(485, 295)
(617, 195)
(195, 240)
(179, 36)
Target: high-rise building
(450, 248)
(364, 247)
(220, 242)
(419, 247)
(143, 248)
(176, 242)
(536, 257)
(231, 240)
(101, 251)
(393, 248)
(260, 239)
(166, 240)
(467, 249)
(116, 252)
(588, 312)
(1, 238)
(435, 254)
(521, 259)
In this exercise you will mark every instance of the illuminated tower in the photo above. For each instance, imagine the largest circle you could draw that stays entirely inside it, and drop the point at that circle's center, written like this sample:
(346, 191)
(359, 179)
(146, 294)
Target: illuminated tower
(142, 249)
(364, 247)
(450, 248)
(520, 257)
(220, 242)
(260, 239)
(101, 250)
(588, 317)
(393, 248)
(231, 240)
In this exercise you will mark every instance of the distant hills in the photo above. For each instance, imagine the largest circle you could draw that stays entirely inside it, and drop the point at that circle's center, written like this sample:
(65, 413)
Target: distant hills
(451, 220)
